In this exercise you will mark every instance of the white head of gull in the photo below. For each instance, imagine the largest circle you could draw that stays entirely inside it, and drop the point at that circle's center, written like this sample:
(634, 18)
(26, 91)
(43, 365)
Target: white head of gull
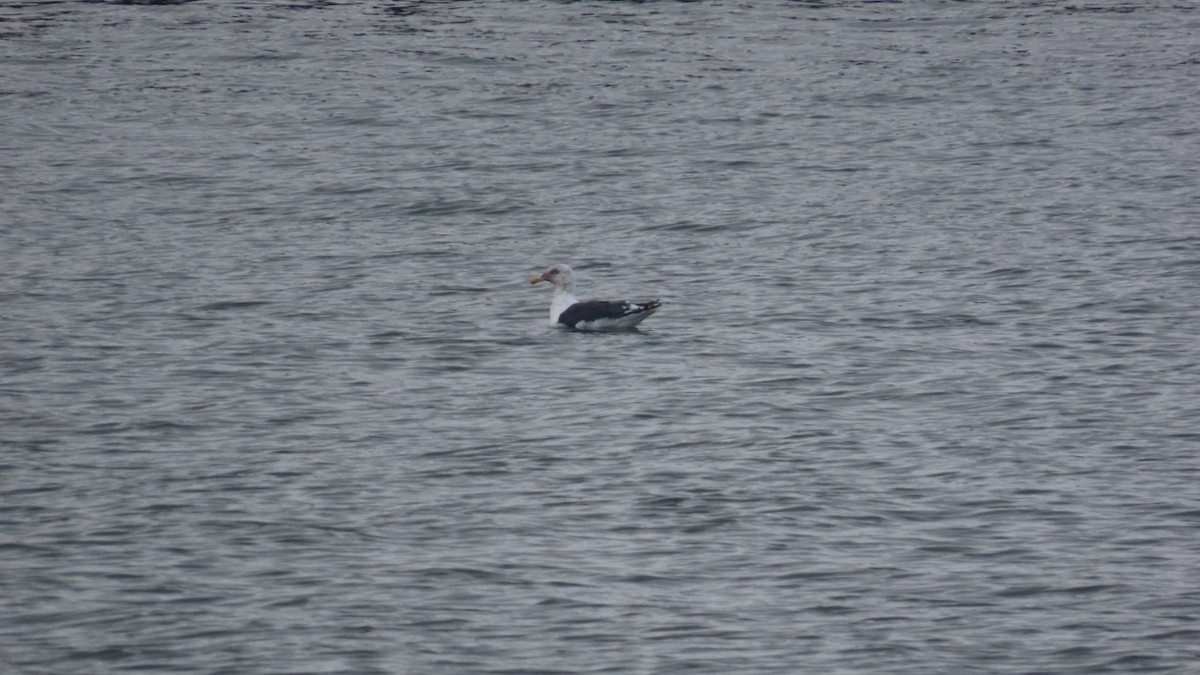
(567, 310)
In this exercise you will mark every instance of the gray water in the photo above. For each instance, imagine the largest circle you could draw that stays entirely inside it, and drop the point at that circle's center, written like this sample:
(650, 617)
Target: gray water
(276, 396)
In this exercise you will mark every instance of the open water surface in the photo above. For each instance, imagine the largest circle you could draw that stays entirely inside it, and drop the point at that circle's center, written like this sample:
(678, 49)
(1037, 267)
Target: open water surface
(276, 396)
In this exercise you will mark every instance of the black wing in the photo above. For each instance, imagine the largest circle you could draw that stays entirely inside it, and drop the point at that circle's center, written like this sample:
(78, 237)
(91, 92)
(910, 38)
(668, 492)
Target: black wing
(591, 310)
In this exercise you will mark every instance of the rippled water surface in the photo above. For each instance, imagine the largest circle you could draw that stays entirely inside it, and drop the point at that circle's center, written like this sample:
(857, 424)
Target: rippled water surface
(276, 395)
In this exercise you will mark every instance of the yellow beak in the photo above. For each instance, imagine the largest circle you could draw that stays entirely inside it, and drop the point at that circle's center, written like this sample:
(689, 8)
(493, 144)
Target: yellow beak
(536, 279)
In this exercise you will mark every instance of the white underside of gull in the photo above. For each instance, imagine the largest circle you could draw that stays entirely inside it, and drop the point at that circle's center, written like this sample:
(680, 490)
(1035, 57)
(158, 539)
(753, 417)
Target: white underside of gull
(620, 323)
(559, 303)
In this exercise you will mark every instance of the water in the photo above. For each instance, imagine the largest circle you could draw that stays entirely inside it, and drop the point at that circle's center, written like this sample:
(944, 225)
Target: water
(277, 396)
